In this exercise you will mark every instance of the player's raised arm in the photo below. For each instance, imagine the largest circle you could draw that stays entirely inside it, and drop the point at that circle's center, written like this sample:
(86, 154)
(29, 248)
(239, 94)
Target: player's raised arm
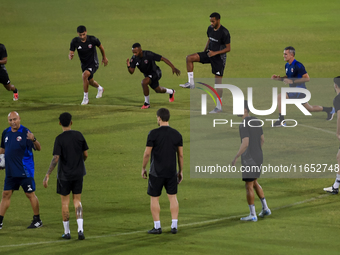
(36, 143)
(71, 55)
(278, 77)
(174, 69)
(130, 69)
(105, 61)
(305, 78)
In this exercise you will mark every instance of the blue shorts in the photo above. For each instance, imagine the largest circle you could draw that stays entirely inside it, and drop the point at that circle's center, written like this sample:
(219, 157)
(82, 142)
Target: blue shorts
(14, 183)
(296, 95)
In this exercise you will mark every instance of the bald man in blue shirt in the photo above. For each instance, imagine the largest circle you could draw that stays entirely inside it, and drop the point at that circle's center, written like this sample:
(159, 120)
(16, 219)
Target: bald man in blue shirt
(17, 143)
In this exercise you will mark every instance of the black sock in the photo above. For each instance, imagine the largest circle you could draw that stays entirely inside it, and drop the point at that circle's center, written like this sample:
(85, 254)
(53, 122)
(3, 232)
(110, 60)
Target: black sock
(281, 117)
(1, 219)
(326, 109)
(36, 217)
(15, 91)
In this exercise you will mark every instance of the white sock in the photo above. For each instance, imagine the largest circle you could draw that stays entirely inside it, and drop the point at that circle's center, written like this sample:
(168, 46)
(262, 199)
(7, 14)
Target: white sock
(147, 100)
(219, 106)
(264, 203)
(337, 182)
(157, 224)
(191, 77)
(66, 227)
(86, 95)
(252, 210)
(169, 91)
(174, 224)
(100, 87)
(80, 225)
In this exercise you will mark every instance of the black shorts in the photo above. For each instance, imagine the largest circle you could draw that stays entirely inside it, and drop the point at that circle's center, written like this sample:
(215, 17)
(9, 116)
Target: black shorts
(14, 183)
(217, 62)
(156, 185)
(155, 77)
(4, 79)
(251, 173)
(92, 69)
(65, 187)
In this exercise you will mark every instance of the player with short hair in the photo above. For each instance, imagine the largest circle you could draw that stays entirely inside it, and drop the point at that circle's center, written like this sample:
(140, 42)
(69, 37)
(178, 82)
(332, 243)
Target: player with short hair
(4, 79)
(215, 53)
(86, 47)
(163, 144)
(17, 143)
(296, 76)
(334, 189)
(252, 140)
(70, 152)
(145, 61)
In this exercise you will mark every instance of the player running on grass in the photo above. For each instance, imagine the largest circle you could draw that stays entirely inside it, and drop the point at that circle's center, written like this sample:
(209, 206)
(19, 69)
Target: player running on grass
(4, 79)
(334, 189)
(86, 47)
(296, 76)
(145, 61)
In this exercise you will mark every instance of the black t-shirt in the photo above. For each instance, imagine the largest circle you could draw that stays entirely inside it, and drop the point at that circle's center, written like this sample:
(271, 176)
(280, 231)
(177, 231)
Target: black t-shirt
(86, 50)
(164, 142)
(146, 64)
(218, 39)
(253, 155)
(70, 146)
(3, 54)
(336, 103)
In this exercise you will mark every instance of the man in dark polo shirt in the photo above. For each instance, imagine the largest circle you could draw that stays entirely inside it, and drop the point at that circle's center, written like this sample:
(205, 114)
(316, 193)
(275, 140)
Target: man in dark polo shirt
(70, 152)
(163, 144)
(250, 151)
(334, 189)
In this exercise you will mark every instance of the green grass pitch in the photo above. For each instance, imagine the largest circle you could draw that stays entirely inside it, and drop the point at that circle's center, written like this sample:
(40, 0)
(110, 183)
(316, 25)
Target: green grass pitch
(37, 35)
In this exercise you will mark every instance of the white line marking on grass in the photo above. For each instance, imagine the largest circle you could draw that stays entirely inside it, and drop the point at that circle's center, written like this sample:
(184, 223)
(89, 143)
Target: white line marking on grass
(182, 225)
(319, 129)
